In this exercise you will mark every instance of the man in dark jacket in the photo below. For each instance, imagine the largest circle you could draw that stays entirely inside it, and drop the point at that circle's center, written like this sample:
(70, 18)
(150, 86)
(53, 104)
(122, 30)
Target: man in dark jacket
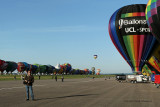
(28, 80)
(56, 77)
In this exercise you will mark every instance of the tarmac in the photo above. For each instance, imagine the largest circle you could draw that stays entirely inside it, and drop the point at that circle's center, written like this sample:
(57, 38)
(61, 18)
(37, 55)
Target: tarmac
(86, 92)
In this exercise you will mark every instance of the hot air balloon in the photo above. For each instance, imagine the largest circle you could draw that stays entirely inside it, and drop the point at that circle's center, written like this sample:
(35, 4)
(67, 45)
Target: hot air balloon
(152, 17)
(33, 68)
(155, 63)
(12, 66)
(67, 68)
(95, 56)
(90, 72)
(21, 67)
(93, 70)
(3, 65)
(98, 70)
(98, 73)
(61, 69)
(50, 68)
(86, 71)
(146, 70)
(26, 66)
(77, 71)
(38, 68)
(43, 69)
(131, 36)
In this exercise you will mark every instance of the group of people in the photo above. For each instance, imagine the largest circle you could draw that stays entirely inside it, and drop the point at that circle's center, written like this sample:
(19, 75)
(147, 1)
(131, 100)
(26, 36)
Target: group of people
(61, 78)
(28, 81)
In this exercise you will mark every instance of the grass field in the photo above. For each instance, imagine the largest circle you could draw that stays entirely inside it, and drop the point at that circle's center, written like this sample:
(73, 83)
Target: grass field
(46, 77)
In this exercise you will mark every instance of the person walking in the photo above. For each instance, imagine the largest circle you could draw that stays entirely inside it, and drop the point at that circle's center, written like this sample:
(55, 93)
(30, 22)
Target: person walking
(28, 81)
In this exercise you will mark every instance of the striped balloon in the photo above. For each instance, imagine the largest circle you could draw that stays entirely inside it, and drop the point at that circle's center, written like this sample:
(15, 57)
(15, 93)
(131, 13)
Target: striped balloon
(131, 36)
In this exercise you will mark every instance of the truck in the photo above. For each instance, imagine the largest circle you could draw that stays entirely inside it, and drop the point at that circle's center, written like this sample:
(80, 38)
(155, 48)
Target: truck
(132, 78)
(121, 78)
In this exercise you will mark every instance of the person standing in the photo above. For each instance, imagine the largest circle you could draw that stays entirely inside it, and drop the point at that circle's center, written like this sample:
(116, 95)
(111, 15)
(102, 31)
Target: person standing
(62, 78)
(56, 77)
(28, 81)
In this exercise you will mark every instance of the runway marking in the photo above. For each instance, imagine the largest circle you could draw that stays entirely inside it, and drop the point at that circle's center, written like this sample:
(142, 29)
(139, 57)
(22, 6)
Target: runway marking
(19, 87)
(85, 81)
(10, 88)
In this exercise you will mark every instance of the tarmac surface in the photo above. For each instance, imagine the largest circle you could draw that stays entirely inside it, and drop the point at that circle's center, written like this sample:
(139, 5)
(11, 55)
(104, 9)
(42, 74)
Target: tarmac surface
(80, 93)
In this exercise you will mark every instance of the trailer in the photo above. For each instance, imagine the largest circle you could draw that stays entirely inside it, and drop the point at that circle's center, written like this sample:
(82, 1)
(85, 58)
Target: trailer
(137, 78)
(132, 78)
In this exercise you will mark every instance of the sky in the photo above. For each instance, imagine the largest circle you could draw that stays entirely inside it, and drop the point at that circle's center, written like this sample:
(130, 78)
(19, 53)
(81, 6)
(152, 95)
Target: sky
(61, 31)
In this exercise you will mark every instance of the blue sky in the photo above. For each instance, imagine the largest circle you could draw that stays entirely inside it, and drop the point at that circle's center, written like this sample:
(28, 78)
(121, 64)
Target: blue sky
(61, 31)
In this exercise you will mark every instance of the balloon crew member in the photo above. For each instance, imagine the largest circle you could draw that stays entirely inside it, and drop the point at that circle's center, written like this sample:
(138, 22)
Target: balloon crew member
(39, 77)
(62, 78)
(52, 77)
(28, 81)
(56, 77)
(15, 77)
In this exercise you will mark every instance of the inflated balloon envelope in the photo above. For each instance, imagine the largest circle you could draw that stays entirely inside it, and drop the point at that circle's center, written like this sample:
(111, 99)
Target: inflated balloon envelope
(131, 36)
(153, 17)
(3, 65)
(21, 67)
(146, 70)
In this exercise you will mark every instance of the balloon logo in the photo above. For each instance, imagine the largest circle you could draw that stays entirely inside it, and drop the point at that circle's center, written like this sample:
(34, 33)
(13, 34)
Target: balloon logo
(153, 17)
(131, 36)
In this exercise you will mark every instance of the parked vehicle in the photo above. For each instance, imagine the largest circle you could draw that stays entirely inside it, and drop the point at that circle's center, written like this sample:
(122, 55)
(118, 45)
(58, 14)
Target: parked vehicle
(121, 78)
(137, 78)
(132, 78)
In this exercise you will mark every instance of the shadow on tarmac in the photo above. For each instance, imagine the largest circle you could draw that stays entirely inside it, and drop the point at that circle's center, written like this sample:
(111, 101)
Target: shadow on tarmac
(66, 96)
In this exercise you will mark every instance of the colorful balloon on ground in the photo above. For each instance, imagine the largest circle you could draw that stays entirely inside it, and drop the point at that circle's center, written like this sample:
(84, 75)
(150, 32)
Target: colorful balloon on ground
(155, 63)
(131, 36)
(146, 70)
(153, 17)
(33, 68)
(86, 71)
(93, 70)
(21, 67)
(26, 66)
(38, 68)
(98, 70)
(12, 66)
(50, 68)
(3, 65)
(67, 67)
(43, 68)
(98, 73)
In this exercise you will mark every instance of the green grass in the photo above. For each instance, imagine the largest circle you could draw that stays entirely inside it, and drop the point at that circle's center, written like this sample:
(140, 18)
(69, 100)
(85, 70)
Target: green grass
(47, 77)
